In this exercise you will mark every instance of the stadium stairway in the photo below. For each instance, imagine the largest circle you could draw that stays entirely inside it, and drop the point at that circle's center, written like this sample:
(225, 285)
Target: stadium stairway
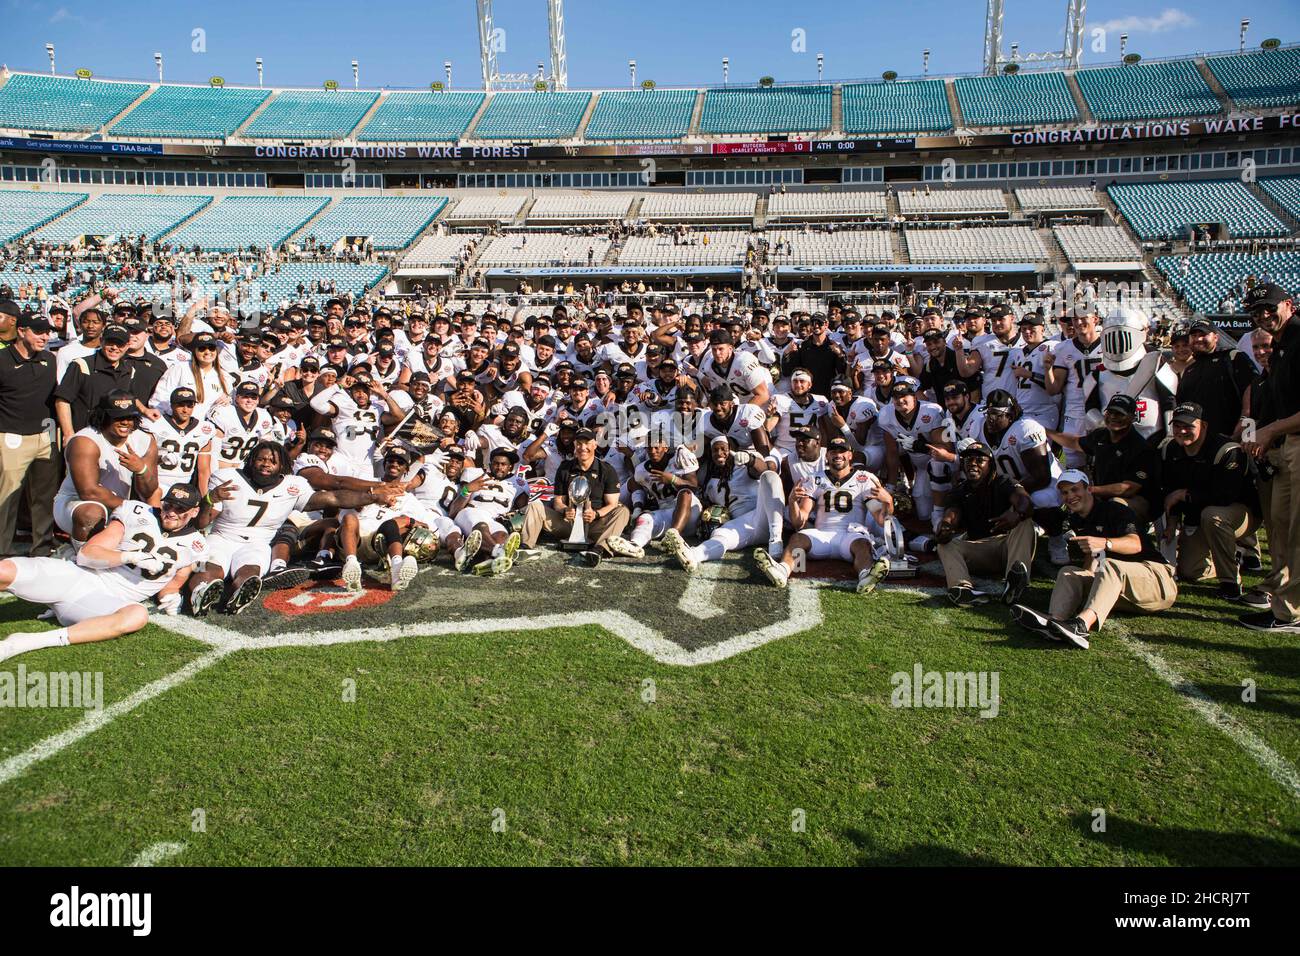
(760, 212)
(1013, 204)
(251, 117)
(304, 229)
(103, 130)
(837, 110)
(361, 123)
(478, 115)
(522, 216)
(48, 222)
(1056, 256)
(1275, 207)
(897, 247)
(1080, 103)
(586, 117)
(162, 236)
(696, 113)
(954, 108)
(1220, 93)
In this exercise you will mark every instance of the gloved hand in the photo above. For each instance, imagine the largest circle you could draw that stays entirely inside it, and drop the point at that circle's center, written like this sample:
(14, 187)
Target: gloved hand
(170, 604)
(906, 442)
(743, 457)
(146, 561)
(551, 430)
(686, 460)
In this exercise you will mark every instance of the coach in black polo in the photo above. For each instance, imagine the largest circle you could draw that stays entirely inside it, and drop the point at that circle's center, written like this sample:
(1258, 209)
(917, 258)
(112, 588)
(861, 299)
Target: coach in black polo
(603, 516)
(1122, 464)
(89, 379)
(27, 380)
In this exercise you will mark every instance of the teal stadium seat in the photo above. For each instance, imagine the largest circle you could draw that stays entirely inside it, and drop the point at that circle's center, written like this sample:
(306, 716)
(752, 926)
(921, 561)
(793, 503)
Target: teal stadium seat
(30, 101)
(311, 114)
(536, 115)
(1285, 191)
(351, 278)
(642, 114)
(391, 222)
(421, 118)
(1266, 78)
(190, 112)
(1016, 100)
(1212, 276)
(1148, 91)
(920, 107)
(119, 214)
(1166, 210)
(22, 212)
(237, 222)
(783, 109)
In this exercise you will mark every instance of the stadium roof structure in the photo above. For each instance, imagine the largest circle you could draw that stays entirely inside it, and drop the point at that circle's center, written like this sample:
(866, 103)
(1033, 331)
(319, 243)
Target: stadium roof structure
(1180, 88)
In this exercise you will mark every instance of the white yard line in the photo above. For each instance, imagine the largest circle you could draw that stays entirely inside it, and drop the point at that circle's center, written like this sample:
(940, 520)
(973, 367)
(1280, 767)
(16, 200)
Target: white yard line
(94, 720)
(153, 855)
(1277, 766)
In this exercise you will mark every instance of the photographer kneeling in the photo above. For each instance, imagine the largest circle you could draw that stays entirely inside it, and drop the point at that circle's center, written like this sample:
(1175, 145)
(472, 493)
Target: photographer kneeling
(1120, 565)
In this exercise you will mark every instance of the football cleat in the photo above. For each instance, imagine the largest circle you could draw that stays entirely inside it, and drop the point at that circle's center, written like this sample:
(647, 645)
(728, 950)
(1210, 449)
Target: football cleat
(776, 572)
(872, 576)
(284, 578)
(352, 573)
(468, 550)
(244, 595)
(590, 558)
(207, 596)
(624, 548)
(406, 573)
(494, 566)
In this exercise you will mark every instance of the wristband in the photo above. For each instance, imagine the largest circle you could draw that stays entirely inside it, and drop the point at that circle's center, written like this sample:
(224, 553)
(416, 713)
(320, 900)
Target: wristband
(208, 498)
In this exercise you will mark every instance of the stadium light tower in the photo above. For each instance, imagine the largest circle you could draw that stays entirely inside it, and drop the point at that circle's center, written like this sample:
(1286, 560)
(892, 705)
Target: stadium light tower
(821, 62)
(49, 49)
(356, 75)
(157, 58)
(446, 68)
(1245, 25)
(726, 69)
(1068, 56)
(490, 41)
(1123, 44)
(925, 62)
(631, 68)
(259, 71)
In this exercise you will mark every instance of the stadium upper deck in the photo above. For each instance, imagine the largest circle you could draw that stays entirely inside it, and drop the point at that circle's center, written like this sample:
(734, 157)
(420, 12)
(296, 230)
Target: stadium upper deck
(1201, 87)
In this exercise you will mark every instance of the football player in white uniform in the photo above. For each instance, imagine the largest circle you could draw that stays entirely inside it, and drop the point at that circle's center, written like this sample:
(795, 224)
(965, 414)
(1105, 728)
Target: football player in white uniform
(379, 531)
(483, 511)
(848, 506)
(1023, 452)
(745, 425)
(991, 353)
(138, 555)
(911, 427)
(355, 413)
(106, 460)
(1069, 370)
(255, 501)
(799, 409)
(740, 370)
(1029, 366)
(742, 506)
(853, 418)
(185, 444)
(242, 425)
(656, 488)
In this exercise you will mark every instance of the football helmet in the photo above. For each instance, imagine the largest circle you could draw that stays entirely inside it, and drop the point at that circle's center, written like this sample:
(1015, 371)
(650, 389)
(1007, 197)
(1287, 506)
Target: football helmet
(421, 543)
(713, 518)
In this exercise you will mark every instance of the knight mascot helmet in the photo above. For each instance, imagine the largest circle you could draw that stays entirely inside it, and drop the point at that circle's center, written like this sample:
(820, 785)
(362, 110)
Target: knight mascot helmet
(1123, 339)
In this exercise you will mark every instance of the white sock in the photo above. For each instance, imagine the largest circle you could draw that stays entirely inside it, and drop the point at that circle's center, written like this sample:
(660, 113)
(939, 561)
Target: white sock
(498, 551)
(21, 643)
(394, 565)
(278, 564)
(711, 550)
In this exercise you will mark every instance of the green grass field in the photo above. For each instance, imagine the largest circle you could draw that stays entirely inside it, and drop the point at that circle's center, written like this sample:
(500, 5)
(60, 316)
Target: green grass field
(551, 747)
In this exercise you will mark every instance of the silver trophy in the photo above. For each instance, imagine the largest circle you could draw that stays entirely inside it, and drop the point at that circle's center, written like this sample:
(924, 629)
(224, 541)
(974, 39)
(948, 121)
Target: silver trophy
(579, 495)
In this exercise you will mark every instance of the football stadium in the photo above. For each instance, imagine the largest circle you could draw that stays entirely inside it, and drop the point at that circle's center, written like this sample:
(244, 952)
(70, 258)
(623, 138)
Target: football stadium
(896, 470)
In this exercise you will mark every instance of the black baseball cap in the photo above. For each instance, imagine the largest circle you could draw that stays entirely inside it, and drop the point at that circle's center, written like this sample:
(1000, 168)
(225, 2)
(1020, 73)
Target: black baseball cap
(33, 322)
(182, 496)
(183, 396)
(115, 335)
(203, 340)
(1188, 413)
(720, 337)
(419, 378)
(322, 434)
(584, 434)
(399, 453)
(118, 404)
(625, 371)
(1123, 403)
(722, 393)
(249, 388)
(309, 361)
(1202, 325)
(882, 365)
(956, 388)
(976, 448)
(1031, 318)
(281, 401)
(1267, 294)
(902, 387)
(837, 444)
(569, 424)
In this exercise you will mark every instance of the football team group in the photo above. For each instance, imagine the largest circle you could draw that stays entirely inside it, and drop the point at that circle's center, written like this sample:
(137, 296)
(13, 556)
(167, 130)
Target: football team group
(194, 460)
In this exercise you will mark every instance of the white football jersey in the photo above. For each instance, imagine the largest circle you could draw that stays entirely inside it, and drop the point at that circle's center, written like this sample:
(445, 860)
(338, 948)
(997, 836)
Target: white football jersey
(745, 374)
(437, 491)
(356, 428)
(178, 451)
(1078, 363)
(996, 358)
(1031, 392)
(1023, 434)
(255, 516)
(738, 491)
(113, 475)
(140, 524)
(662, 495)
(928, 417)
(791, 414)
(497, 495)
(802, 471)
(842, 505)
(238, 436)
(745, 420)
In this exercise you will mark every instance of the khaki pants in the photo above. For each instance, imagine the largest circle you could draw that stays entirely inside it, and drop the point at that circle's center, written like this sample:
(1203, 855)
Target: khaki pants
(540, 517)
(992, 555)
(1134, 585)
(30, 457)
(1274, 457)
(1284, 533)
(1212, 550)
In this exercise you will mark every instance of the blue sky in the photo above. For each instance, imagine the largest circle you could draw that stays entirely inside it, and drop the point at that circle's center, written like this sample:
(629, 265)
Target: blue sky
(675, 42)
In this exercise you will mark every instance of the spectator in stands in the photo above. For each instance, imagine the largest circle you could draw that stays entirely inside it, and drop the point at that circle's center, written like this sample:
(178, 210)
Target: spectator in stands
(993, 516)
(27, 449)
(1114, 562)
(1215, 380)
(1272, 309)
(1210, 502)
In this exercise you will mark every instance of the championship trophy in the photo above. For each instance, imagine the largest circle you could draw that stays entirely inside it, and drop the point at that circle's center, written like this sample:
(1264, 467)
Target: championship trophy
(579, 494)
